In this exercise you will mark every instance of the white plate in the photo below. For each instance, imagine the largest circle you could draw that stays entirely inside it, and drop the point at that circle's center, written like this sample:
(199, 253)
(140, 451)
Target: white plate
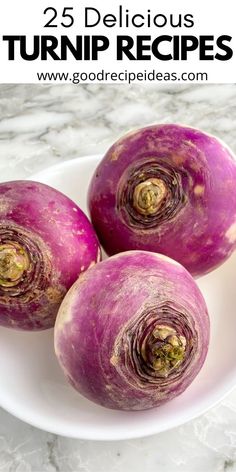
(33, 388)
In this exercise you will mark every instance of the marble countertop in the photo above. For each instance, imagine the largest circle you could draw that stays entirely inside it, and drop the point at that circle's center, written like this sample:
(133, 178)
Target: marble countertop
(44, 125)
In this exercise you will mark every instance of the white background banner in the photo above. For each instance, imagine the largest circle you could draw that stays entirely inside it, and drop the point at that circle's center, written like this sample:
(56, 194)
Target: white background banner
(117, 41)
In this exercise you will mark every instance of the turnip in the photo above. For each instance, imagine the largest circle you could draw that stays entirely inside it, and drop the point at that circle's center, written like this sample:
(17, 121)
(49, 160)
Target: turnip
(167, 189)
(46, 241)
(133, 331)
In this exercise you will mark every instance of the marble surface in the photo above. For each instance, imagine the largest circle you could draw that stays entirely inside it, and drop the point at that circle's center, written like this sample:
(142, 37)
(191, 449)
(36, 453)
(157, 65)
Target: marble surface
(43, 125)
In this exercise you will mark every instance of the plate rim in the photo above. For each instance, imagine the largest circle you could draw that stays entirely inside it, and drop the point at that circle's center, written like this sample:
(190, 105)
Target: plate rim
(75, 434)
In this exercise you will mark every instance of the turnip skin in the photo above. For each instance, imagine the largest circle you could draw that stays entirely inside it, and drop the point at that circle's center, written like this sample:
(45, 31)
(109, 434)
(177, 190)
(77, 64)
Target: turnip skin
(107, 319)
(195, 222)
(46, 241)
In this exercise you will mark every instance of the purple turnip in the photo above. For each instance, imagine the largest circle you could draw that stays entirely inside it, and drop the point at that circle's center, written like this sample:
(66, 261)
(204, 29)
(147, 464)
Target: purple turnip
(167, 189)
(46, 241)
(132, 333)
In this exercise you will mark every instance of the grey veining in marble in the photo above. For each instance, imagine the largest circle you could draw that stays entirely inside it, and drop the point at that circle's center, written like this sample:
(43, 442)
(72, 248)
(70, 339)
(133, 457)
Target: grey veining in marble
(43, 125)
